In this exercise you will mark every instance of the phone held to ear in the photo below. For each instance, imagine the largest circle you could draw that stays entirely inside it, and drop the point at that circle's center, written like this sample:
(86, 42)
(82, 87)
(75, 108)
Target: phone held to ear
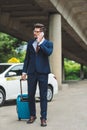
(40, 36)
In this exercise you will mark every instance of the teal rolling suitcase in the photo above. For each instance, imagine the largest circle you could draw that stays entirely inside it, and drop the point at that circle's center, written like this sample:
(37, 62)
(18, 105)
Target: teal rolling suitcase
(22, 105)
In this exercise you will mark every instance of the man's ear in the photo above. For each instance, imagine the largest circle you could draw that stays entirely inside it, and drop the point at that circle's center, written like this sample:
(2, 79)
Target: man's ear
(42, 34)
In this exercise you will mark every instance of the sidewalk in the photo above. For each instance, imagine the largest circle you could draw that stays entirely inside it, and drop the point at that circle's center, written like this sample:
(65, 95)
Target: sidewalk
(67, 111)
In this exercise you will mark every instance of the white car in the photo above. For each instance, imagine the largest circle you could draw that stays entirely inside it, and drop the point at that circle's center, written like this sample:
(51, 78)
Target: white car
(10, 74)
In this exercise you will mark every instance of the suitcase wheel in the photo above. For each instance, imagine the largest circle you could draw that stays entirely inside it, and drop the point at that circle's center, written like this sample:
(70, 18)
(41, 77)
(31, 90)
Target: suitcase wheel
(19, 119)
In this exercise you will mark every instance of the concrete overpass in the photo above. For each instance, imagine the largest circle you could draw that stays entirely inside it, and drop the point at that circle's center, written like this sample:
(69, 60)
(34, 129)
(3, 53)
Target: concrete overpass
(66, 22)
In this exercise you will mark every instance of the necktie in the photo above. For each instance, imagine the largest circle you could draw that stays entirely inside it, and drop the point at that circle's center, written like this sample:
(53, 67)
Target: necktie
(37, 48)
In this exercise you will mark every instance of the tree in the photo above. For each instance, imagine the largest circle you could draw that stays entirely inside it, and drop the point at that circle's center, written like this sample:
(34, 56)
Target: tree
(8, 45)
(72, 70)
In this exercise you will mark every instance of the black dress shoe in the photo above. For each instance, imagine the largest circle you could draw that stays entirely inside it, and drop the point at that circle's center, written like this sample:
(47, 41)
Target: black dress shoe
(31, 120)
(43, 122)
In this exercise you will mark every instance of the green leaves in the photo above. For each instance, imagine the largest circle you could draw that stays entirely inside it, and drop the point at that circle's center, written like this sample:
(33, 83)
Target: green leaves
(72, 70)
(8, 45)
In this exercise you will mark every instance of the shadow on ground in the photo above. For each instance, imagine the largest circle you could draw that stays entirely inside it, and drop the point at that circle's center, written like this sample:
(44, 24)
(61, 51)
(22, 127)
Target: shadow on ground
(13, 102)
(9, 103)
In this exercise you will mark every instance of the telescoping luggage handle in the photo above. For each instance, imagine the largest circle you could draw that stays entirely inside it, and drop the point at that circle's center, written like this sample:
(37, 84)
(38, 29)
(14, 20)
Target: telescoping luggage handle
(21, 85)
(22, 98)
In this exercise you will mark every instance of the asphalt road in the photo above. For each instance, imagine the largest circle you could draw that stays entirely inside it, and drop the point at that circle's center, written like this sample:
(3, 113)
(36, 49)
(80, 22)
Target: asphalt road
(67, 111)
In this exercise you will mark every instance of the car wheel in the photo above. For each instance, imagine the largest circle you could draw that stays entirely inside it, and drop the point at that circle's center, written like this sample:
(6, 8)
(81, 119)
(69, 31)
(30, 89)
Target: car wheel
(2, 97)
(49, 93)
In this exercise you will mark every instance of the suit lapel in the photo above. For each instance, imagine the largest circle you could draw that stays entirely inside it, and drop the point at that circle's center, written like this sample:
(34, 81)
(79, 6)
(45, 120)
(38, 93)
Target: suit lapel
(33, 46)
(44, 41)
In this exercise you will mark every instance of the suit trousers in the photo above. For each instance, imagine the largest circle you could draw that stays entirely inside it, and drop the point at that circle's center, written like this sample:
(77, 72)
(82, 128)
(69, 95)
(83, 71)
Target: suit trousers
(42, 80)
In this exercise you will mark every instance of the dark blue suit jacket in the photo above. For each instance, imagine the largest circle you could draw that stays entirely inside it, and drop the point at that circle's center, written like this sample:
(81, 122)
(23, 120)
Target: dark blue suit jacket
(38, 62)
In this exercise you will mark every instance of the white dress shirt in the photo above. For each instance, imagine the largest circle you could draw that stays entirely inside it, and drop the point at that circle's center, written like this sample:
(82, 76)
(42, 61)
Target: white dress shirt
(35, 43)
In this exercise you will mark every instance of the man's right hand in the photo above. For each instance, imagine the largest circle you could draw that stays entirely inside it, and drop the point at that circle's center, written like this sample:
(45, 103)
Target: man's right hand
(23, 76)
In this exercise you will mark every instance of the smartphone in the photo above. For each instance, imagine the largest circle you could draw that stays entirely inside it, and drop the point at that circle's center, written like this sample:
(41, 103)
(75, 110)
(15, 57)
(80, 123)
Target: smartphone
(42, 34)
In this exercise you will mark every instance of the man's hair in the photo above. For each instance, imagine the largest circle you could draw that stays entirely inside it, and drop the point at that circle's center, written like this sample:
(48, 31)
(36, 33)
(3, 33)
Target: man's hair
(41, 26)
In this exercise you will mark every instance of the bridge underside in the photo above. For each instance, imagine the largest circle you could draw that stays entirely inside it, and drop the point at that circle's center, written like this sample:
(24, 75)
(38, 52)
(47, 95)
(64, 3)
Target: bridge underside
(18, 16)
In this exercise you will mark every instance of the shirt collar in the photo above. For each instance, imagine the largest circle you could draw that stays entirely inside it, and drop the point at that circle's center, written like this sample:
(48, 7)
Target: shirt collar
(41, 41)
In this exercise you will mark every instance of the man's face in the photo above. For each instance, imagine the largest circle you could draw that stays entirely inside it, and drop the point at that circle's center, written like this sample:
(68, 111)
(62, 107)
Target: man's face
(36, 32)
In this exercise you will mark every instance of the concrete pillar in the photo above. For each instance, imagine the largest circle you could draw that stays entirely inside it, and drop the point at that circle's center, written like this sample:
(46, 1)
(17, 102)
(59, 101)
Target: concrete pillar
(55, 36)
(63, 71)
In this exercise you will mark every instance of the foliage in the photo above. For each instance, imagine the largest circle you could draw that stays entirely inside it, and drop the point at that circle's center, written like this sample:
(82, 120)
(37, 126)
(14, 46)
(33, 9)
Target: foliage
(21, 56)
(8, 45)
(85, 71)
(72, 70)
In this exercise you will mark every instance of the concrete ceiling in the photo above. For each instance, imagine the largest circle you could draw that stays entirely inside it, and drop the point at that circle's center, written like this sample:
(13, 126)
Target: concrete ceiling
(74, 24)
(18, 16)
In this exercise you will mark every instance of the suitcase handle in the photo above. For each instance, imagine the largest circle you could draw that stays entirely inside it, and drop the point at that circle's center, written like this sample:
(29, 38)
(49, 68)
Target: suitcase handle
(21, 87)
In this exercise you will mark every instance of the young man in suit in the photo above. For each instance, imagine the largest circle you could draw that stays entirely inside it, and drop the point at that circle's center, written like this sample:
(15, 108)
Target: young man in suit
(36, 67)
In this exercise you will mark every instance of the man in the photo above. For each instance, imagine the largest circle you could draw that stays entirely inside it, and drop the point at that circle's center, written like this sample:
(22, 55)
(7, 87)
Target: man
(36, 66)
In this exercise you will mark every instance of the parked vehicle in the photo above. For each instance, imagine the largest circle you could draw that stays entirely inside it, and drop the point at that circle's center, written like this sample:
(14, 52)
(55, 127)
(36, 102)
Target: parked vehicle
(10, 74)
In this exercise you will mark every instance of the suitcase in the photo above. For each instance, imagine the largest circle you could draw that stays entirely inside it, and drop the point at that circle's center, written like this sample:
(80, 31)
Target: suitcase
(22, 105)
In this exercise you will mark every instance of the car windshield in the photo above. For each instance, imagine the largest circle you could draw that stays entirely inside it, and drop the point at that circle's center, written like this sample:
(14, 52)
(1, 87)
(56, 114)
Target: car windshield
(3, 68)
